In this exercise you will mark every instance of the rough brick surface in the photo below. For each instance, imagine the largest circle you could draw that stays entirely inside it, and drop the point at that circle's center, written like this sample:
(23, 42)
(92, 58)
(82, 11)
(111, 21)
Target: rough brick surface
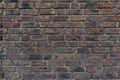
(59, 39)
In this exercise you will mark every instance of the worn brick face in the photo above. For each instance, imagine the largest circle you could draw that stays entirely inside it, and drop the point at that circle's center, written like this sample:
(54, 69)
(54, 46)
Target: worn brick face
(59, 39)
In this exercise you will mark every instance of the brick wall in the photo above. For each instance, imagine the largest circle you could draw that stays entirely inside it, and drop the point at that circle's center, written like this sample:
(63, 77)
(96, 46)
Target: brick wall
(59, 39)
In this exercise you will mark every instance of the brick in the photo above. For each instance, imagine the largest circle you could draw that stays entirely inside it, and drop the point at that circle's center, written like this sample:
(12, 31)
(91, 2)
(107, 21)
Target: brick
(43, 44)
(108, 24)
(109, 76)
(113, 18)
(46, 76)
(42, 69)
(107, 37)
(65, 75)
(47, 57)
(2, 5)
(109, 12)
(61, 18)
(12, 5)
(1, 75)
(8, 18)
(28, 76)
(24, 18)
(82, 76)
(78, 69)
(56, 25)
(47, 12)
(47, 50)
(73, 63)
(60, 57)
(25, 5)
(78, 18)
(66, 1)
(55, 38)
(61, 6)
(25, 37)
(65, 50)
(29, 12)
(14, 31)
(83, 51)
(12, 12)
(11, 25)
(38, 37)
(38, 63)
(11, 37)
(74, 12)
(106, 5)
(92, 24)
(2, 56)
(1, 37)
(74, 5)
(112, 31)
(96, 18)
(35, 57)
(60, 12)
(55, 63)
(41, 5)
(91, 38)
(87, 44)
(74, 38)
(92, 12)
(95, 31)
(11, 0)
(43, 18)
(90, 5)
(28, 24)
(60, 69)
(101, 50)
(105, 44)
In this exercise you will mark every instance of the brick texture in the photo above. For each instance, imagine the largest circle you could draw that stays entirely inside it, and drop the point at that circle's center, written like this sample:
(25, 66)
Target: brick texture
(59, 39)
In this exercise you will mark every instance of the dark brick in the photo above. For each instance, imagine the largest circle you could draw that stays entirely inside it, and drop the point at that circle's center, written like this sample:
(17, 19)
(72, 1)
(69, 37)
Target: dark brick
(83, 51)
(2, 56)
(1, 75)
(90, 5)
(35, 57)
(1, 37)
(65, 76)
(78, 69)
(25, 5)
(47, 57)
(13, 0)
